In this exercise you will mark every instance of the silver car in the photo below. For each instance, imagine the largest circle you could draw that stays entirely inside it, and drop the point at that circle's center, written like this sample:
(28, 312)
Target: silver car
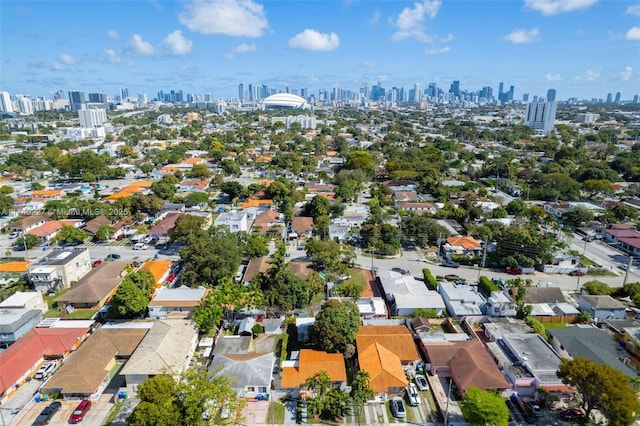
(412, 395)
(397, 408)
(421, 382)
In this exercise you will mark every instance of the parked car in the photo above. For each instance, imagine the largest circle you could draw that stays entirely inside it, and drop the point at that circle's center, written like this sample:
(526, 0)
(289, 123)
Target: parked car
(112, 257)
(400, 270)
(451, 277)
(96, 262)
(450, 264)
(572, 414)
(513, 271)
(412, 394)
(45, 371)
(421, 382)
(397, 408)
(14, 234)
(577, 273)
(140, 246)
(535, 408)
(80, 411)
(49, 411)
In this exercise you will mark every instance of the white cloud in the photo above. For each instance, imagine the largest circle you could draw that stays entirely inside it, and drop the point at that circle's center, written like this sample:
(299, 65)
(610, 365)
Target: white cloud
(626, 74)
(554, 7)
(57, 66)
(438, 51)
(66, 59)
(592, 74)
(552, 77)
(138, 45)
(177, 43)
(242, 48)
(633, 34)
(410, 22)
(376, 17)
(113, 56)
(238, 18)
(313, 40)
(522, 36)
(113, 34)
(633, 10)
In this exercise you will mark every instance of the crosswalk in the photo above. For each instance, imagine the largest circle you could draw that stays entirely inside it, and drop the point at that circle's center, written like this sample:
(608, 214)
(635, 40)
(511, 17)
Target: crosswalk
(119, 243)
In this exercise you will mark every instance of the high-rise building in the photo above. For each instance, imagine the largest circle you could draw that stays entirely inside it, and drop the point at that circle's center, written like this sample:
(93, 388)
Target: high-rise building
(525, 97)
(90, 118)
(541, 116)
(124, 93)
(433, 90)
(636, 99)
(455, 88)
(100, 98)
(617, 99)
(241, 92)
(24, 104)
(551, 95)
(5, 102)
(76, 100)
(416, 93)
(609, 98)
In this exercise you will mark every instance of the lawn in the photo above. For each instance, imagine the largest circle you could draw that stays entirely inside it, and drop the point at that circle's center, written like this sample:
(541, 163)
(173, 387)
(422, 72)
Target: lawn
(276, 413)
(81, 314)
(357, 278)
(50, 299)
(550, 325)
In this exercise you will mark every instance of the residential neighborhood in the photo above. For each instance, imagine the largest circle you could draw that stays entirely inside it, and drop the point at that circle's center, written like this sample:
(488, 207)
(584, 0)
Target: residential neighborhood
(386, 265)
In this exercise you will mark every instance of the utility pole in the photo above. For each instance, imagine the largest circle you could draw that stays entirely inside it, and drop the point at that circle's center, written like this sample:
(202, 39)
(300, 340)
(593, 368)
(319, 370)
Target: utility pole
(446, 411)
(626, 273)
(484, 258)
(439, 243)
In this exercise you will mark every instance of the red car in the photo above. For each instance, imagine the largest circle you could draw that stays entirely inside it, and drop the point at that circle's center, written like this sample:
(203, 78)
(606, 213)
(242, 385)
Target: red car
(577, 273)
(80, 411)
(572, 414)
(514, 271)
(96, 262)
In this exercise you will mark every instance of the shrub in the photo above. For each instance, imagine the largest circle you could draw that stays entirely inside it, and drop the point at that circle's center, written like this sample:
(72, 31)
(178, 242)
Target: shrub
(486, 286)
(429, 280)
(258, 329)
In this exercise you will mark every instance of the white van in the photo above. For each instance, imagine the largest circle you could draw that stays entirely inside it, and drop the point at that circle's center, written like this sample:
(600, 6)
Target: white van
(45, 371)
(140, 246)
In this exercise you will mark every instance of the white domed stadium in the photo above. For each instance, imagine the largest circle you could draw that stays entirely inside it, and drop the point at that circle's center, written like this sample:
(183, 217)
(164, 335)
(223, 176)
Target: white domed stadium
(284, 101)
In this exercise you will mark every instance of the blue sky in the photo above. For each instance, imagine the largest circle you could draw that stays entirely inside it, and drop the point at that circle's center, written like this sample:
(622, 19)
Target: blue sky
(583, 48)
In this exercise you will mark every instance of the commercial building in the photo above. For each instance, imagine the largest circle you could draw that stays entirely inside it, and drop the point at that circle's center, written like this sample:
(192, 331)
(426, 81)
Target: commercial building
(90, 118)
(541, 116)
(59, 269)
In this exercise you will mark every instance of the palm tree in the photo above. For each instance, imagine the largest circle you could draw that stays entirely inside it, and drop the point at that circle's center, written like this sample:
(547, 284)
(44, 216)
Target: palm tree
(361, 389)
(319, 384)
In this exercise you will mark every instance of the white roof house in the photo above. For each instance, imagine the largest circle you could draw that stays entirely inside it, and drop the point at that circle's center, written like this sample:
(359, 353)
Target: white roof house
(25, 300)
(461, 300)
(176, 302)
(405, 294)
(235, 221)
(166, 349)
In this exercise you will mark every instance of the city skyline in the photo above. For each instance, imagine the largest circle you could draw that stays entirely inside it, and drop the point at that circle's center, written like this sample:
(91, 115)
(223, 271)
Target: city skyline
(581, 48)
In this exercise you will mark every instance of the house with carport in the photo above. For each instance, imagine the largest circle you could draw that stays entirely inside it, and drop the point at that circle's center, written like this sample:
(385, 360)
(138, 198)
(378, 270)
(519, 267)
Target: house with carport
(167, 348)
(88, 372)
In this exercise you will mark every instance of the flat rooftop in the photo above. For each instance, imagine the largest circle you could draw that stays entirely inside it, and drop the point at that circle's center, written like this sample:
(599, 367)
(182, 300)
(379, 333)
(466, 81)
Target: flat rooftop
(61, 257)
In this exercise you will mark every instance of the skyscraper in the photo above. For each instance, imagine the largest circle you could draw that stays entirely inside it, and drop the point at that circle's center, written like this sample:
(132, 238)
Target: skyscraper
(609, 98)
(541, 116)
(124, 93)
(5, 102)
(617, 99)
(76, 100)
(416, 93)
(241, 92)
(90, 118)
(455, 88)
(551, 95)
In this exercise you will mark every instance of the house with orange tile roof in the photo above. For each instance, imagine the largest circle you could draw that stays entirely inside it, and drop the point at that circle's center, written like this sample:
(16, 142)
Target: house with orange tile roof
(383, 351)
(140, 187)
(194, 185)
(14, 267)
(160, 269)
(257, 203)
(22, 359)
(463, 246)
(48, 194)
(308, 363)
(48, 230)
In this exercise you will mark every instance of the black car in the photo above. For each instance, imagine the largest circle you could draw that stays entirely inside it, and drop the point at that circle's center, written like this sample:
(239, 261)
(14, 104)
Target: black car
(45, 416)
(112, 256)
(450, 264)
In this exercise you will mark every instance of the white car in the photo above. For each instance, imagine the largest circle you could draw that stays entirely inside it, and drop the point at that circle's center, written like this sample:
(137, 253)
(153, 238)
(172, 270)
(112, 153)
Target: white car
(421, 382)
(140, 246)
(412, 394)
(45, 371)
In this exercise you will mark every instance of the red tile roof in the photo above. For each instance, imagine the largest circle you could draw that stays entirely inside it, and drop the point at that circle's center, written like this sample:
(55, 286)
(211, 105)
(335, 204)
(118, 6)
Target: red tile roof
(25, 353)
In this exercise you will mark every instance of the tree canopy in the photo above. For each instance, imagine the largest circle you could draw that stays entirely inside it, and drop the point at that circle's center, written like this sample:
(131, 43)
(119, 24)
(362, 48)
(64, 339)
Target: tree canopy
(602, 387)
(482, 408)
(336, 327)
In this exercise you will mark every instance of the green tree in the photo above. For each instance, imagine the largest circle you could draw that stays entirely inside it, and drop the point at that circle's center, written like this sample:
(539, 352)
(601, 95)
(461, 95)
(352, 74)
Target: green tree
(187, 225)
(196, 198)
(360, 160)
(318, 206)
(28, 240)
(199, 171)
(211, 258)
(597, 186)
(71, 235)
(578, 216)
(233, 189)
(484, 408)
(163, 189)
(4, 189)
(336, 327)
(422, 230)
(130, 301)
(596, 287)
(253, 245)
(601, 387)
(6, 205)
(104, 232)
(208, 314)
(361, 390)
(329, 256)
(146, 168)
